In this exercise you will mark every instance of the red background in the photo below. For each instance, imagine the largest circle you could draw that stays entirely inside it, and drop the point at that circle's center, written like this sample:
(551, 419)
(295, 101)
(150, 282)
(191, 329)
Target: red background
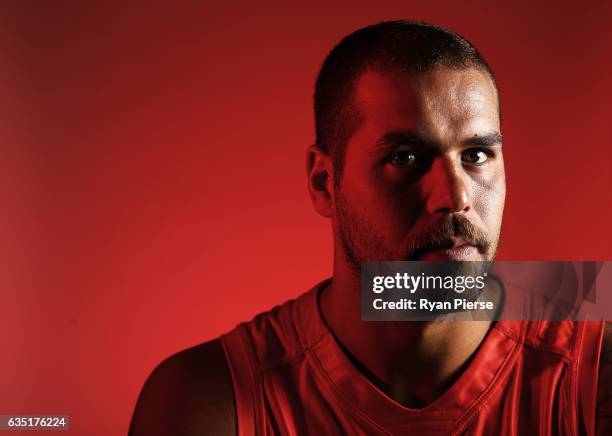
(152, 172)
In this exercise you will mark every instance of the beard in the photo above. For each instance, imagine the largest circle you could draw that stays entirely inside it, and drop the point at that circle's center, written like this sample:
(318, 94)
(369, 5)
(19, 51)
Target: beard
(362, 241)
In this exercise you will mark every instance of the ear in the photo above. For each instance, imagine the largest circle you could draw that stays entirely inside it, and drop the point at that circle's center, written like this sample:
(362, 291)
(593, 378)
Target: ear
(320, 172)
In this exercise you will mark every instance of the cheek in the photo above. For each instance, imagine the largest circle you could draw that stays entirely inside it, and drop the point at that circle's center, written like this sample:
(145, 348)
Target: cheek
(489, 198)
(388, 209)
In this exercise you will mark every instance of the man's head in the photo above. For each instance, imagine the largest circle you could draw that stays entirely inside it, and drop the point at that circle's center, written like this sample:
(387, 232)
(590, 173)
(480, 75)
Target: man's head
(408, 159)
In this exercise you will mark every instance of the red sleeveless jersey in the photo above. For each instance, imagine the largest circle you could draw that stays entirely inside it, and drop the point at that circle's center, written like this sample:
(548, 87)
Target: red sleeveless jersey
(291, 377)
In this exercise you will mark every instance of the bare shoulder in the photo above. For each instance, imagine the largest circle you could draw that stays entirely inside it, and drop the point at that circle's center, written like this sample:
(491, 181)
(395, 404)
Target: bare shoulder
(188, 393)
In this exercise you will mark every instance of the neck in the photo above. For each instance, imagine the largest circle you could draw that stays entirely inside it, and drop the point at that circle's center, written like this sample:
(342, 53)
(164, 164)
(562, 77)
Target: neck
(412, 362)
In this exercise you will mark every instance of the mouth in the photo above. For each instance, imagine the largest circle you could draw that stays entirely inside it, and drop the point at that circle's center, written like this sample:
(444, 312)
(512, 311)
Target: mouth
(461, 250)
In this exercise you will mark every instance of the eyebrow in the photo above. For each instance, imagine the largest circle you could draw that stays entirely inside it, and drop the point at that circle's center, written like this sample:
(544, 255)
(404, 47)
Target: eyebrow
(413, 138)
(487, 140)
(404, 138)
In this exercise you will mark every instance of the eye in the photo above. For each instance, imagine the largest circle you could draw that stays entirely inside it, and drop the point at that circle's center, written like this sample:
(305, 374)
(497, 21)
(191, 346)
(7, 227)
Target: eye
(475, 156)
(402, 158)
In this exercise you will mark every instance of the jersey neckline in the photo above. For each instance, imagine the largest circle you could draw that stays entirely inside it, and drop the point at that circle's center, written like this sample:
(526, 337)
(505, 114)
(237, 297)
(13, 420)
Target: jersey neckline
(485, 373)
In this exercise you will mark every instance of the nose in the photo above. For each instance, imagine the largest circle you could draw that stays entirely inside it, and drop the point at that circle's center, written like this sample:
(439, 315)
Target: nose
(447, 190)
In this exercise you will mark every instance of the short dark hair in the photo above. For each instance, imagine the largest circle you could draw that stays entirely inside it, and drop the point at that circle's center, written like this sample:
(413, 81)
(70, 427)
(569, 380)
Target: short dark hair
(410, 46)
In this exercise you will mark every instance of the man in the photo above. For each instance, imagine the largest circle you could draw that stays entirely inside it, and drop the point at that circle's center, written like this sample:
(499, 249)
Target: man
(408, 165)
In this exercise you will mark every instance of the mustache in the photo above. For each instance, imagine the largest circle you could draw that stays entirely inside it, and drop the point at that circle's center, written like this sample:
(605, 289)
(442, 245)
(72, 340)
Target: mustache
(442, 237)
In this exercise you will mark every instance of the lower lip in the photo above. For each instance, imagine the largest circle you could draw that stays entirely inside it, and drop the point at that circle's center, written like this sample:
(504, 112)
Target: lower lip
(463, 252)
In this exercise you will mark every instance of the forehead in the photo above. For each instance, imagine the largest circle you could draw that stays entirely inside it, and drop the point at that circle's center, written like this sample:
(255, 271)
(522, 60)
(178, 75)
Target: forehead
(443, 104)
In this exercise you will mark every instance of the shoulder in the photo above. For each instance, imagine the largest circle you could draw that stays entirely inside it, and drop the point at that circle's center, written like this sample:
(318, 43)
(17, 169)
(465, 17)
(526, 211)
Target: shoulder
(188, 393)
(604, 383)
